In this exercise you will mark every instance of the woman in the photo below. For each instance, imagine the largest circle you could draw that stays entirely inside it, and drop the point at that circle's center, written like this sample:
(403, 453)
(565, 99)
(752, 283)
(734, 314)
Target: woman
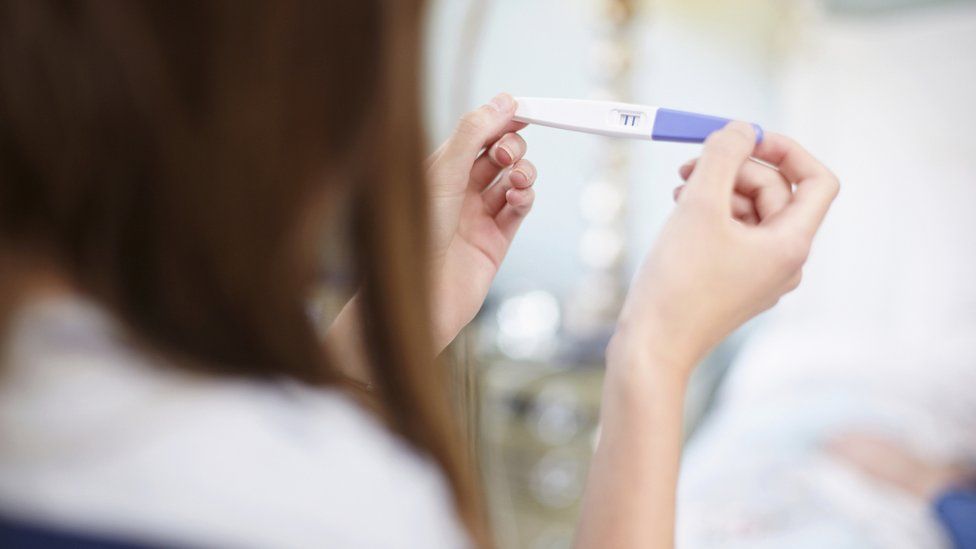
(168, 175)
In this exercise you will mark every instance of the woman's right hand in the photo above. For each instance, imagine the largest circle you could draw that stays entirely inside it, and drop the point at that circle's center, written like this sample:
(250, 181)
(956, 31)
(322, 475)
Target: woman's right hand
(734, 245)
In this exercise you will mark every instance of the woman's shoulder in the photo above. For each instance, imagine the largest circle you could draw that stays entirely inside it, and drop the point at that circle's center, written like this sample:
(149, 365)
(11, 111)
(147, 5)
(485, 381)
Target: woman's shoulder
(102, 438)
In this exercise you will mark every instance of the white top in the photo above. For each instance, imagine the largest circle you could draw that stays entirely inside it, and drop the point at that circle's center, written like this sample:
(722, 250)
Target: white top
(97, 437)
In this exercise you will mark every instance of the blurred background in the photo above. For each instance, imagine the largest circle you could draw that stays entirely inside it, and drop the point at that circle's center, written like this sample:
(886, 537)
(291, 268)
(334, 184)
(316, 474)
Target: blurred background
(881, 336)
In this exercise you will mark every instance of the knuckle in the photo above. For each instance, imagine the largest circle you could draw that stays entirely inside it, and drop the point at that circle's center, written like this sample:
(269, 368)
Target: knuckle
(794, 251)
(768, 303)
(833, 185)
(795, 281)
(518, 141)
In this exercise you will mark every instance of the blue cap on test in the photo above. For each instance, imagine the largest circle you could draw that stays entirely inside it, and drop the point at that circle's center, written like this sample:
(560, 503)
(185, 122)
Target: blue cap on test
(689, 127)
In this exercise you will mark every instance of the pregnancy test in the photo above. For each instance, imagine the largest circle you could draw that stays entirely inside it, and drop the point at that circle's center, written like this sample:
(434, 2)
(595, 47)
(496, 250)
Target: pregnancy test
(620, 119)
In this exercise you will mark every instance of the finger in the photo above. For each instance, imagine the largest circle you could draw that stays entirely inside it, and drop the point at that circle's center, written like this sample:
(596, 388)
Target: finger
(725, 150)
(508, 149)
(505, 152)
(522, 175)
(789, 157)
(518, 204)
(479, 128)
(521, 199)
(762, 184)
(495, 197)
(816, 186)
(743, 208)
(511, 127)
(769, 191)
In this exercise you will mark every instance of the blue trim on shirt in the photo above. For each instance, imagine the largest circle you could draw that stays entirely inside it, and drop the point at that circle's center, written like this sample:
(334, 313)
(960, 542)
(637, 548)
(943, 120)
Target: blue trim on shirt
(23, 535)
(956, 508)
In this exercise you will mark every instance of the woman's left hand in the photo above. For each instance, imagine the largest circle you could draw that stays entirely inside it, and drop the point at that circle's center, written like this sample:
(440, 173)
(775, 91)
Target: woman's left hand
(480, 190)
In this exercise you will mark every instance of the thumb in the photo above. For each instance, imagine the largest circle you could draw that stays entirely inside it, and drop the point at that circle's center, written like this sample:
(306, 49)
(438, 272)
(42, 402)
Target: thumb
(725, 151)
(479, 128)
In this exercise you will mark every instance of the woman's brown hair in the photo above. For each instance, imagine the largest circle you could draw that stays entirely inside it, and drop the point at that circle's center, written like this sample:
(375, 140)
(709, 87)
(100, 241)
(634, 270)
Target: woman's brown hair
(177, 159)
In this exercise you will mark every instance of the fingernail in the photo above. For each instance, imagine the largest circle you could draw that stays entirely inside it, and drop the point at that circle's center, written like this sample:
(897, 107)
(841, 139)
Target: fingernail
(502, 102)
(519, 178)
(503, 156)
